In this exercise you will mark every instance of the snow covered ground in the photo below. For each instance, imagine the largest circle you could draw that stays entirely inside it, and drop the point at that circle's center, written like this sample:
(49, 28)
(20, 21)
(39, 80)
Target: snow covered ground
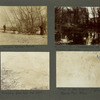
(24, 70)
(21, 39)
(78, 69)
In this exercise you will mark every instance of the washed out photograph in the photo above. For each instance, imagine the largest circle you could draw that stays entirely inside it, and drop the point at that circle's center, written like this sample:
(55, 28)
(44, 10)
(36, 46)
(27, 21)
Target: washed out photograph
(25, 71)
(78, 69)
(23, 25)
(77, 25)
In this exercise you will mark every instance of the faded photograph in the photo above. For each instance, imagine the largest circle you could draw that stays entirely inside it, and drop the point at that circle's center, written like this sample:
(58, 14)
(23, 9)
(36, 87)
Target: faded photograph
(25, 71)
(23, 25)
(78, 69)
(77, 25)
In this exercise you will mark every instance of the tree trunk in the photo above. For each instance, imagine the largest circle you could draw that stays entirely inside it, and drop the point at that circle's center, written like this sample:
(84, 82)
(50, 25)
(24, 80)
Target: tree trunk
(41, 30)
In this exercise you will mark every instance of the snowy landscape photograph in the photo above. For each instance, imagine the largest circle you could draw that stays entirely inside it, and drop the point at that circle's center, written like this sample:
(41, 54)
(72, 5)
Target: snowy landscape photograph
(25, 71)
(23, 25)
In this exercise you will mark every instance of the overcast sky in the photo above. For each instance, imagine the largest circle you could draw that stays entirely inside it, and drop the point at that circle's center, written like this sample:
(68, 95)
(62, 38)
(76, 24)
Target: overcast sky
(5, 12)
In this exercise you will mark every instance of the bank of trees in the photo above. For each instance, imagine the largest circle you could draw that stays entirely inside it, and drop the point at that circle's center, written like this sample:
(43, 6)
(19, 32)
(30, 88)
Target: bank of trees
(28, 19)
(77, 24)
(78, 16)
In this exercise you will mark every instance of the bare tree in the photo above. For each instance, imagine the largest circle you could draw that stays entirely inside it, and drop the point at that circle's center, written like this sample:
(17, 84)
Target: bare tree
(29, 19)
(94, 14)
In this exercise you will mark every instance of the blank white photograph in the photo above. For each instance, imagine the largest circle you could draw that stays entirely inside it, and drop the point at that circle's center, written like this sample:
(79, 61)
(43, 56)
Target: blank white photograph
(77, 69)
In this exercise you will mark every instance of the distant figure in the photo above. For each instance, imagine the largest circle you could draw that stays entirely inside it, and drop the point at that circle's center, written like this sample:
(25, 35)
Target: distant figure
(4, 27)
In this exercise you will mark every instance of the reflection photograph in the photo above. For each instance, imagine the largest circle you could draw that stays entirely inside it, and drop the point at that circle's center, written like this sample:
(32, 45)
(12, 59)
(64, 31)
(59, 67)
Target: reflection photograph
(23, 25)
(25, 71)
(77, 25)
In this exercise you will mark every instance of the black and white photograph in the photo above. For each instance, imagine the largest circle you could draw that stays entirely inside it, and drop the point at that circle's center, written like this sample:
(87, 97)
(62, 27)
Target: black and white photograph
(77, 25)
(23, 25)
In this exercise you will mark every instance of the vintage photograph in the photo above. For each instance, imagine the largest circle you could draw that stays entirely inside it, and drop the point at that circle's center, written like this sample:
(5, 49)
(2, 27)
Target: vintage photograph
(77, 25)
(25, 71)
(78, 69)
(23, 25)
